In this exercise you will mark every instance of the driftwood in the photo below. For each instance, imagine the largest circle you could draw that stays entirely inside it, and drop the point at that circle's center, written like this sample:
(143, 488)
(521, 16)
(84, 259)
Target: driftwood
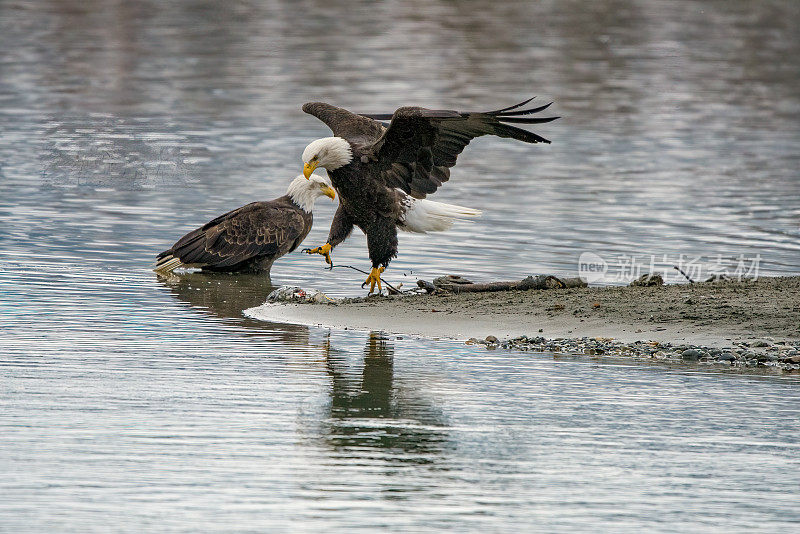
(458, 284)
(574, 282)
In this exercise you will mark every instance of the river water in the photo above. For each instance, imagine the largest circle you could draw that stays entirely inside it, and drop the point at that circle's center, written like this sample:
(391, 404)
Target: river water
(128, 402)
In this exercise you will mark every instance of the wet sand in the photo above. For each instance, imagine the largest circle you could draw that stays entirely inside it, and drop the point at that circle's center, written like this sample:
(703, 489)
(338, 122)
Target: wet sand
(711, 314)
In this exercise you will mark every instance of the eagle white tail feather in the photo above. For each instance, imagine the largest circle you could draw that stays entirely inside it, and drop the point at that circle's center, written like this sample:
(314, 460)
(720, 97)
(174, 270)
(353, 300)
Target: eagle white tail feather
(423, 216)
(167, 264)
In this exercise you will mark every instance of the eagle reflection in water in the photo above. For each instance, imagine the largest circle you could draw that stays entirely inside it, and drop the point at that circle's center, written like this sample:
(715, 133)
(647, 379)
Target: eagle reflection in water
(375, 410)
(225, 296)
(367, 410)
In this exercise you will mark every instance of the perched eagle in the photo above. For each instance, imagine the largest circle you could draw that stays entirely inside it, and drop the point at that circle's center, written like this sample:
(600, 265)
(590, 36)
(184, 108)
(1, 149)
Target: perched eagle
(381, 171)
(251, 238)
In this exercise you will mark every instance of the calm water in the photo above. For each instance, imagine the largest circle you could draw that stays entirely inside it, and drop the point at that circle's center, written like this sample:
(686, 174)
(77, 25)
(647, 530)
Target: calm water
(129, 402)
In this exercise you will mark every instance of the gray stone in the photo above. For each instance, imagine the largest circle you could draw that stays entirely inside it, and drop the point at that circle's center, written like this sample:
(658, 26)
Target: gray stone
(648, 280)
(726, 356)
(298, 294)
(760, 343)
(691, 355)
(285, 293)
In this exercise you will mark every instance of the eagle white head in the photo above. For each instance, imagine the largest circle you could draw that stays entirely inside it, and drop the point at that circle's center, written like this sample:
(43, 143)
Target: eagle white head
(305, 192)
(329, 153)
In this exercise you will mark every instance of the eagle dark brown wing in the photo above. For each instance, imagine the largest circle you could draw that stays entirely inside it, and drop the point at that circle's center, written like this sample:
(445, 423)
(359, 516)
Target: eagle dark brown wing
(417, 150)
(358, 129)
(257, 232)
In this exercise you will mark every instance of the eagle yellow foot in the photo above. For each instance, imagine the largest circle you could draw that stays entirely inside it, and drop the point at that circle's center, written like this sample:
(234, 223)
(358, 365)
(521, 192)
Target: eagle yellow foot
(374, 278)
(325, 250)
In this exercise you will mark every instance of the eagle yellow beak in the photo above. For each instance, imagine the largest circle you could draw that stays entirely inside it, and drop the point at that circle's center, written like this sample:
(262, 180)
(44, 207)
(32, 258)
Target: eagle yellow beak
(329, 192)
(308, 168)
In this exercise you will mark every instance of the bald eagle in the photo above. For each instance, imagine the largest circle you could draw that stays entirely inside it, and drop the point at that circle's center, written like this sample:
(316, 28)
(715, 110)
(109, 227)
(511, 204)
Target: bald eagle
(250, 238)
(382, 170)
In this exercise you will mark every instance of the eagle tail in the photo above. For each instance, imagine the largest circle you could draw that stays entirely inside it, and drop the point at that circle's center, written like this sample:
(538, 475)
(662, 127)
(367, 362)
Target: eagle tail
(166, 263)
(423, 216)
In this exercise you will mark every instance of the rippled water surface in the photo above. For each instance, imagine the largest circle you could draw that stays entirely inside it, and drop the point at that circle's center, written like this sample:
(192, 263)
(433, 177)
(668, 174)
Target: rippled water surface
(128, 402)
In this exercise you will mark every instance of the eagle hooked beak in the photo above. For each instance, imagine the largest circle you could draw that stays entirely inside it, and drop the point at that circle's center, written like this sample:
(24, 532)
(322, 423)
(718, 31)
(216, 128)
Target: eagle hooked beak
(309, 167)
(329, 192)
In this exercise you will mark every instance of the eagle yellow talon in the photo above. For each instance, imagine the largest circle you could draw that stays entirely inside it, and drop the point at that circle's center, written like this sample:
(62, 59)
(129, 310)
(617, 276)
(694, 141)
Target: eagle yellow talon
(324, 250)
(374, 278)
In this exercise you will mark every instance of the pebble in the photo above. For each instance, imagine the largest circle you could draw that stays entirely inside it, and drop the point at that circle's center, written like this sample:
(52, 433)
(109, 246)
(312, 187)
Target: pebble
(691, 355)
(784, 357)
(648, 280)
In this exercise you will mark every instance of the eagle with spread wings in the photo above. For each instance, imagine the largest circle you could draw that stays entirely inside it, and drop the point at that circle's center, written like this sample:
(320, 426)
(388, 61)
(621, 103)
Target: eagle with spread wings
(383, 171)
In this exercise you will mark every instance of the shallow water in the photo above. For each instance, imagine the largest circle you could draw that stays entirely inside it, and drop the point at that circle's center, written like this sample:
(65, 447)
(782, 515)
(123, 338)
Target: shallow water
(130, 402)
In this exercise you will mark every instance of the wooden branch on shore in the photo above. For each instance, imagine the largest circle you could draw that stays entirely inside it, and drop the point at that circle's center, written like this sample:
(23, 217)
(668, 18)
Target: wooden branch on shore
(458, 284)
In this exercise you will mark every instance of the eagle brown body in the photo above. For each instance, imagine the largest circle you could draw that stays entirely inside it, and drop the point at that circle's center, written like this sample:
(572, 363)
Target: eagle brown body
(250, 238)
(247, 239)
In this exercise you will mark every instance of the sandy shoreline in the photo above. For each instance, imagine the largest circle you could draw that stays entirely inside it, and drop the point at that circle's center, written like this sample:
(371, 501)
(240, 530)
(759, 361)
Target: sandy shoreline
(712, 314)
(728, 321)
